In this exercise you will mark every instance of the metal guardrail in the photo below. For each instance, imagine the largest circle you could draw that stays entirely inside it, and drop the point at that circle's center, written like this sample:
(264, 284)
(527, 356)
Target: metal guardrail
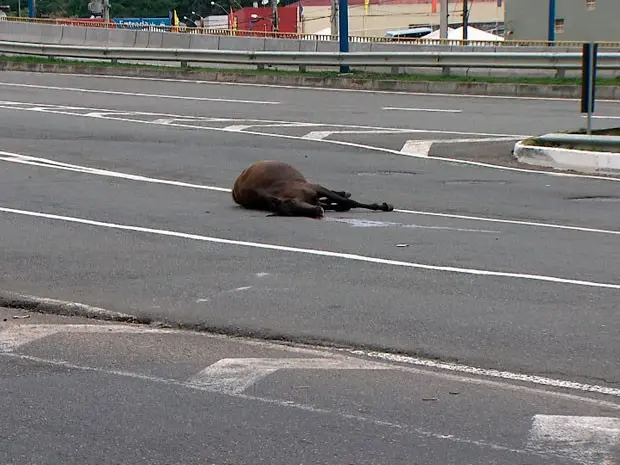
(514, 60)
(302, 36)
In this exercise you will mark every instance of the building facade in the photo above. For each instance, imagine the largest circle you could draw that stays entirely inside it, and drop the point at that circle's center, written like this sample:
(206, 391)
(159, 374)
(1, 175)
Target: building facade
(376, 17)
(580, 20)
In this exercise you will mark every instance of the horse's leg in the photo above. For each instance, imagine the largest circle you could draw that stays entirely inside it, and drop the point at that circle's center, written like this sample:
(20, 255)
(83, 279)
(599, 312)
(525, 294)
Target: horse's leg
(343, 201)
(294, 207)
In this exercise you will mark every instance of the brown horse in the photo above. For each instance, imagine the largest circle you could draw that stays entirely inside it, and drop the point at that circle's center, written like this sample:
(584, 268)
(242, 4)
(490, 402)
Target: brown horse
(279, 188)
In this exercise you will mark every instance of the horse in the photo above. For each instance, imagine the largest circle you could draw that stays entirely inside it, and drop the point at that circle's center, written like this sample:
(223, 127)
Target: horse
(281, 189)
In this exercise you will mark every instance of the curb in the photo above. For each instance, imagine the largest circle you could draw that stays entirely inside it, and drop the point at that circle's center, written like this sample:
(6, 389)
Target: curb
(430, 87)
(17, 301)
(60, 307)
(568, 159)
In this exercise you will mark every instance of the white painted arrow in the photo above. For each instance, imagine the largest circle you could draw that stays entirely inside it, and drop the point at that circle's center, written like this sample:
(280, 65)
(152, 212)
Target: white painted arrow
(235, 375)
(587, 440)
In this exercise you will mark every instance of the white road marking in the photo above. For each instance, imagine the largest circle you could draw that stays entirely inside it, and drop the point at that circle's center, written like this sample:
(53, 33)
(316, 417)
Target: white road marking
(507, 375)
(418, 148)
(16, 335)
(601, 117)
(317, 252)
(320, 135)
(425, 110)
(104, 112)
(137, 94)
(326, 89)
(515, 222)
(235, 375)
(363, 146)
(286, 404)
(48, 163)
(588, 440)
(422, 147)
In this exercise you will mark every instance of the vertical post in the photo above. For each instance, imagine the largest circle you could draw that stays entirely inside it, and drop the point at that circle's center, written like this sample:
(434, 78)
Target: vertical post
(343, 15)
(465, 18)
(443, 19)
(106, 11)
(588, 81)
(274, 20)
(334, 18)
(32, 8)
(551, 25)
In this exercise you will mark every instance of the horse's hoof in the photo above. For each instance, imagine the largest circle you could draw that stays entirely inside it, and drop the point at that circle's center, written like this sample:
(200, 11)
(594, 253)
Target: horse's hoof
(319, 212)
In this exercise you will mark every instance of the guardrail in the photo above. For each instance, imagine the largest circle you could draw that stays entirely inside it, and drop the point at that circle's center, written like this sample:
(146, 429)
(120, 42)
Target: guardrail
(448, 59)
(308, 36)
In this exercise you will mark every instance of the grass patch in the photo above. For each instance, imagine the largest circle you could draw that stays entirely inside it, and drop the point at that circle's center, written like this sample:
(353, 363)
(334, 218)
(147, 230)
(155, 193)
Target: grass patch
(358, 75)
(535, 141)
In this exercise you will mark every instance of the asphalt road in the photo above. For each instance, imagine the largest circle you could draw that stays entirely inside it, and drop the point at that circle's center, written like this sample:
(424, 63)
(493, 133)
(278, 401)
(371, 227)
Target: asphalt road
(74, 391)
(516, 295)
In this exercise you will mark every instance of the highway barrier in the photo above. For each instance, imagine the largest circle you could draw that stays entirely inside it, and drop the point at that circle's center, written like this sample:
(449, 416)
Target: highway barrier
(414, 58)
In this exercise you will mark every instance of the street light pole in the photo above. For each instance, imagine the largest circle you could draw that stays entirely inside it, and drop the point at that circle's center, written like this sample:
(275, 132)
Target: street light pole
(465, 18)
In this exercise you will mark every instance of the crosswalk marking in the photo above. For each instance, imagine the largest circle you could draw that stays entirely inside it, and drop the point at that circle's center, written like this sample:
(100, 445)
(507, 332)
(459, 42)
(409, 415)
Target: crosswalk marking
(235, 375)
(589, 440)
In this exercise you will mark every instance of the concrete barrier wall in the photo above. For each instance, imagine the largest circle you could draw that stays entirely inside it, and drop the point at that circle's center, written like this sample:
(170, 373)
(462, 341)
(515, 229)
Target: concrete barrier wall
(74, 35)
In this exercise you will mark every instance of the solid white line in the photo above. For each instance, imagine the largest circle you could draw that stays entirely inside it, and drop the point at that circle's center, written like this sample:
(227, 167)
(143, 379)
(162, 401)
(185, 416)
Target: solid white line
(325, 89)
(507, 375)
(48, 163)
(360, 146)
(580, 438)
(235, 375)
(109, 114)
(425, 110)
(601, 117)
(138, 94)
(285, 404)
(516, 222)
(317, 252)
(16, 335)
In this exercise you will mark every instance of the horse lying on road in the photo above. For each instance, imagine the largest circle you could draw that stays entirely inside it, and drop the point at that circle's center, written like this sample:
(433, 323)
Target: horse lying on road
(280, 188)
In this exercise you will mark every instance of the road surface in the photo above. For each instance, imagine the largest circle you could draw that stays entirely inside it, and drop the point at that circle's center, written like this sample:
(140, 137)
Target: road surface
(115, 193)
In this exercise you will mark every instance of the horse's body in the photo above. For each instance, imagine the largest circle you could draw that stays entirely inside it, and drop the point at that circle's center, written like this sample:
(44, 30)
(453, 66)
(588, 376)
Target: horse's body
(279, 188)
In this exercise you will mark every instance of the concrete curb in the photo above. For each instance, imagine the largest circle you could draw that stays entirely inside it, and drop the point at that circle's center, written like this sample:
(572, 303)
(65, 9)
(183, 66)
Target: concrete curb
(433, 87)
(63, 308)
(568, 159)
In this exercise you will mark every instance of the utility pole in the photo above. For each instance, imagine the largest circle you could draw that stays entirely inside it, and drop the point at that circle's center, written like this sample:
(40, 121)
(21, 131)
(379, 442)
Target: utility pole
(443, 19)
(465, 18)
(551, 26)
(334, 18)
(106, 11)
(275, 20)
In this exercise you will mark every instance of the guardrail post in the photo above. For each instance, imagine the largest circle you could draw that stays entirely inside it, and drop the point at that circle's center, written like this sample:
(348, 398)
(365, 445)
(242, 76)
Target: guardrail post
(302, 68)
(395, 69)
(184, 64)
(588, 82)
